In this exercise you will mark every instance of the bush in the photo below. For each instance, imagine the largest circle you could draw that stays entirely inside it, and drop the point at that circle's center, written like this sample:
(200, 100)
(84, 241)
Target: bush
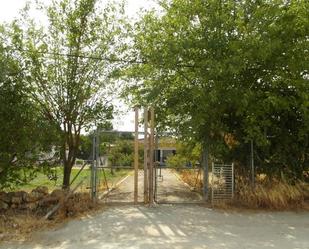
(79, 162)
(176, 161)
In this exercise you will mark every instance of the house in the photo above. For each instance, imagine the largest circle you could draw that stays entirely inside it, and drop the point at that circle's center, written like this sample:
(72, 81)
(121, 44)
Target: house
(165, 147)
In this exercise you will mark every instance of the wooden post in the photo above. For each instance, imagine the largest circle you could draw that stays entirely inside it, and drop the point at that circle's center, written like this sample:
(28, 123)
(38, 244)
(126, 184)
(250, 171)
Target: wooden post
(136, 158)
(146, 197)
(151, 151)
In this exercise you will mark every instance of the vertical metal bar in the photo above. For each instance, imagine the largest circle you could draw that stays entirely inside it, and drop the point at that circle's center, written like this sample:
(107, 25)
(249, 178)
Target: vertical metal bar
(161, 163)
(97, 162)
(151, 151)
(136, 158)
(161, 156)
(252, 165)
(156, 166)
(213, 175)
(146, 197)
(156, 182)
(92, 181)
(206, 173)
(233, 180)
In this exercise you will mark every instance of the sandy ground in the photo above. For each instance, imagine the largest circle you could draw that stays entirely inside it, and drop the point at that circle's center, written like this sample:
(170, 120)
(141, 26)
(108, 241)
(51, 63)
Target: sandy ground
(176, 226)
(179, 226)
(170, 189)
(124, 192)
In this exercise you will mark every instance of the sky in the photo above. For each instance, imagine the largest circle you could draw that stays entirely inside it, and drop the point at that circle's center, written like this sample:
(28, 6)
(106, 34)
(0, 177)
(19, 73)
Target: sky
(9, 9)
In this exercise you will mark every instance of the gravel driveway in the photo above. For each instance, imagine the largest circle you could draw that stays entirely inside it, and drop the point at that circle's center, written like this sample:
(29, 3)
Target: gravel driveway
(176, 226)
(170, 189)
(179, 226)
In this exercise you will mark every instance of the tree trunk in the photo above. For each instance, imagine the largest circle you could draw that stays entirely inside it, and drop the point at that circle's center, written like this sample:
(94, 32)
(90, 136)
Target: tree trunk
(66, 175)
(69, 161)
(71, 142)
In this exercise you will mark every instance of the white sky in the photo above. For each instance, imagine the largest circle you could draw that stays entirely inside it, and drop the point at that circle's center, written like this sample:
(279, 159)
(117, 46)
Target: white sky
(9, 10)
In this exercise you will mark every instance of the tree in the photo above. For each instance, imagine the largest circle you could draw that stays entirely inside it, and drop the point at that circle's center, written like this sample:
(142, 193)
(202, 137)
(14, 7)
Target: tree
(229, 69)
(70, 66)
(23, 131)
(121, 153)
(85, 150)
(186, 154)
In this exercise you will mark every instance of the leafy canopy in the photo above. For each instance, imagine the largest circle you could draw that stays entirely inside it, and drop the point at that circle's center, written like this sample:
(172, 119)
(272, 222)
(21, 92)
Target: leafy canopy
(223, 73)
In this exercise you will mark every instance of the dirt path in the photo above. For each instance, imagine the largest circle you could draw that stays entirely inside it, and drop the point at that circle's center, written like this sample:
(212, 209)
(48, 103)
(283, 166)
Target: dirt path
(176, 226)
(170, 190)
(179, 226)
(124, 191)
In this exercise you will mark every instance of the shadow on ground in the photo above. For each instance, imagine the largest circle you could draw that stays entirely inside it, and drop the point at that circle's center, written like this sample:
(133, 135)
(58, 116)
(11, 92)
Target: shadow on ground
(176, 226)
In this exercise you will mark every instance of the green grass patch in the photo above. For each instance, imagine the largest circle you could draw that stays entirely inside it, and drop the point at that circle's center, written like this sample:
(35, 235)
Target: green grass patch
(42, 179)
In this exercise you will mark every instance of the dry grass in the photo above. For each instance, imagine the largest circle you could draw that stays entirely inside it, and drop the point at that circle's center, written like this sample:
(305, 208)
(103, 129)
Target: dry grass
(276, 195)
(193, 178)
(19, 225)
(267, 194)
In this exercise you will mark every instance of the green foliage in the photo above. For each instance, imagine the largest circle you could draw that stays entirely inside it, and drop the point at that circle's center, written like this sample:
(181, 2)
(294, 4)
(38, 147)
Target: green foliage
(85, 147)
(186, 154)
(238, 69)
(176, 161)
(26, 138)
(121, 153)
(70, 65)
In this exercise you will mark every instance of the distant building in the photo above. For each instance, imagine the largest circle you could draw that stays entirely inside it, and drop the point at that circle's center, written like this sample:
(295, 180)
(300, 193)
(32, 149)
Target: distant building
(162, 153)
(166, 146)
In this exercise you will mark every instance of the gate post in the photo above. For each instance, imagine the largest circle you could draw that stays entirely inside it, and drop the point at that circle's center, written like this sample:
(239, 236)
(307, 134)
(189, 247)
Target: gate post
(94, 166)
(205, 165)
(146, 198)
(151, 157)
(136, 157)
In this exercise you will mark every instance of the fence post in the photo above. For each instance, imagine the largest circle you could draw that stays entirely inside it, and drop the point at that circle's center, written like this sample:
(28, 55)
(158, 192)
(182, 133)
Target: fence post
(252, 165)
(212, 172)
(136, 157)
(233, 181)
(205, 172)
(146, 197)
(93, 167)
(151, 157)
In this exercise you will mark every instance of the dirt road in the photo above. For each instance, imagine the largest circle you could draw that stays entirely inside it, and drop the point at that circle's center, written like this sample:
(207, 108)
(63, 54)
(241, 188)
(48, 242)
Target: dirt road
(170, 189)
(179, 226)
(176, 226)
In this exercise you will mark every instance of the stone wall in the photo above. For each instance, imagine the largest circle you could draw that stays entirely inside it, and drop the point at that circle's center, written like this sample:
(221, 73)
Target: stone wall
(37, 198)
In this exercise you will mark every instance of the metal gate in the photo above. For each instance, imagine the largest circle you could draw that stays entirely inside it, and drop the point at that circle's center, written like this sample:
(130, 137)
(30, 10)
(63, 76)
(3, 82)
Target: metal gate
(222, 182)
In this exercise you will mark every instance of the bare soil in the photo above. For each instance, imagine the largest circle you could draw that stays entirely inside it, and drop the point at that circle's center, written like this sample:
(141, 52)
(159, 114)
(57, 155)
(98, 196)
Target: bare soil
(170, 189)
(19, 224)
(175, 226)
(178, 226)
